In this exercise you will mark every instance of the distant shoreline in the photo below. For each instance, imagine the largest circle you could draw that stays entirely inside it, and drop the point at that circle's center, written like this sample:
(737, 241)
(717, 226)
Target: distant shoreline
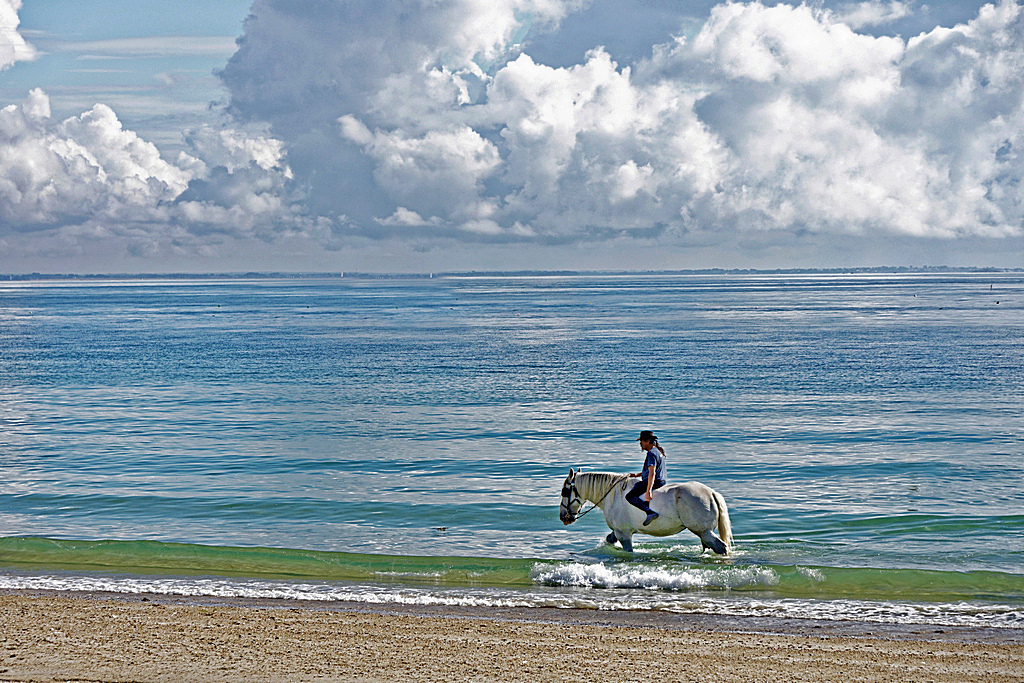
(260, 275)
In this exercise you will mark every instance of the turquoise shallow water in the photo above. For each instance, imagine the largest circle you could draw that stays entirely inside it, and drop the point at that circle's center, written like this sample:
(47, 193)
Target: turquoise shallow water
(405, 439)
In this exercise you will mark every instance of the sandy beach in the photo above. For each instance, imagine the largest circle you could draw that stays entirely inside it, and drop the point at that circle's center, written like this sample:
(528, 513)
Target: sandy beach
(51, 637)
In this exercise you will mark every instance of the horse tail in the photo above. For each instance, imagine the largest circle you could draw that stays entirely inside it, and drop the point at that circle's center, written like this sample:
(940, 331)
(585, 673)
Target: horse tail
(724, 525)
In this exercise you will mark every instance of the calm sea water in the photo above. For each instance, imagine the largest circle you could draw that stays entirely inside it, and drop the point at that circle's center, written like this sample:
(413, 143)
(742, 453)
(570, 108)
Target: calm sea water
(405, 440)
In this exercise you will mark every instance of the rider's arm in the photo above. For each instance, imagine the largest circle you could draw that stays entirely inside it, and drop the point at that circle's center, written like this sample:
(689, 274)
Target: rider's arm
(650, 480)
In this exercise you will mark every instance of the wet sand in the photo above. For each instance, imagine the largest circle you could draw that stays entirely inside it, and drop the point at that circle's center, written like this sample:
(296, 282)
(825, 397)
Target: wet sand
(101, 637)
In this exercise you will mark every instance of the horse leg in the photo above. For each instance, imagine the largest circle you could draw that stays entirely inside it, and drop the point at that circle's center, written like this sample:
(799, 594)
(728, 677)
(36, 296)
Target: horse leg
(626, 540)
(709, 540)
(611, 539)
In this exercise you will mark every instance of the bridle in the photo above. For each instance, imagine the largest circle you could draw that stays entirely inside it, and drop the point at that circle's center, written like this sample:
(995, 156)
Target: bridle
(572, 501)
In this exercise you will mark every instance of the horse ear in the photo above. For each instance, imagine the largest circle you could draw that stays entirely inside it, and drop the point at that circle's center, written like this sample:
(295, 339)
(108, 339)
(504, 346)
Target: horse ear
(572, 473)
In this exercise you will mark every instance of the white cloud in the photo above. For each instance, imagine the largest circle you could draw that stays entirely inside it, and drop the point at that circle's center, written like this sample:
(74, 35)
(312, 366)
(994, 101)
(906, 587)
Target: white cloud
(786, 45)
(630, 179)
(52, 173)
(369, 57)
(234, 149)
(150, 47)
(403, 217)
(13, 47)
(843, 140)
(438, 174)
(780, 118)
(89, 178)
(858, 15)
(432, 120)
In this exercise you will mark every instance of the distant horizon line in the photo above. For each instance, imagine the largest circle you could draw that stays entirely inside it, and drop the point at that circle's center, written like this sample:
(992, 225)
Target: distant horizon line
(865, 270)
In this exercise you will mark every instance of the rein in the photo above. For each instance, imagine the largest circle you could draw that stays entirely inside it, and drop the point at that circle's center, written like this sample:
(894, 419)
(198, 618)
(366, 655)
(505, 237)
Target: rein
(601, 500)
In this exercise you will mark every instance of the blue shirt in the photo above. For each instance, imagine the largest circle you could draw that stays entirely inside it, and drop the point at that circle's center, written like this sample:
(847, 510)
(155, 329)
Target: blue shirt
(654, 457)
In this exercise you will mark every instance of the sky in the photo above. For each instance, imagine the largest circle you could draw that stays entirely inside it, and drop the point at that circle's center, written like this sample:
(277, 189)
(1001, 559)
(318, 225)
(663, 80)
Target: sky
(456, 135)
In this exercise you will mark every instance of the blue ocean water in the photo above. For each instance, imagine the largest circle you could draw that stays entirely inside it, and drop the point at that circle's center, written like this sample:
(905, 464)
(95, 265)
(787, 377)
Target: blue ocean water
(405, 439)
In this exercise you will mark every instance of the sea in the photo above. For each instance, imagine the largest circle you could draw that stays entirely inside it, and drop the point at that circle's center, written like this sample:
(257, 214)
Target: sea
(402, 440)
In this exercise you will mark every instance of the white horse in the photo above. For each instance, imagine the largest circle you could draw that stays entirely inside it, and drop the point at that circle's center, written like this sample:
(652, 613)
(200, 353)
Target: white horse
(692, 506)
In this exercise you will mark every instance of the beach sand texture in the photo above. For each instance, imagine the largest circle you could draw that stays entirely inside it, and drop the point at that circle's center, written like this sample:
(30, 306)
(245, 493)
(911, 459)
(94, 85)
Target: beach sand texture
(54, 638)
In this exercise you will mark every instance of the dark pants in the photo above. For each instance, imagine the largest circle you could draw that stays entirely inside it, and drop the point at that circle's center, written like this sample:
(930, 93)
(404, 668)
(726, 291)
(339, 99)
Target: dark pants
(636, 495)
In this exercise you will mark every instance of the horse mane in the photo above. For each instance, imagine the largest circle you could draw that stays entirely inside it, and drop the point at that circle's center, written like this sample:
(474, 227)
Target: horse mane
(593, 486)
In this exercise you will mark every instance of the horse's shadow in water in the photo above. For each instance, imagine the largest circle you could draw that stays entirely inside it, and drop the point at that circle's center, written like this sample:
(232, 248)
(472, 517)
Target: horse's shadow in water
(692, 506)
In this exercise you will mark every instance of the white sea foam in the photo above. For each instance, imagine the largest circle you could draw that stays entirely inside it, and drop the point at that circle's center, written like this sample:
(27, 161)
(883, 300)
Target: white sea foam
(811, 573)
(650, 577)
(631, 593)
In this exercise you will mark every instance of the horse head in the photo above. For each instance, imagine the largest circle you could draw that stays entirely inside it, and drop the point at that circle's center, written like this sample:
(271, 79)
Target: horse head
(572, 501)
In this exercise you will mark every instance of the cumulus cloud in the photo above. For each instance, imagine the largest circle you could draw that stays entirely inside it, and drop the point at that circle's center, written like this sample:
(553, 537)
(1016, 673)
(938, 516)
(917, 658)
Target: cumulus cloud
(877, 135)
(433, 119)
(58, 172)
(398, 60)
(88, 176)
(782, 118)
(438, 173)
(13, 47)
